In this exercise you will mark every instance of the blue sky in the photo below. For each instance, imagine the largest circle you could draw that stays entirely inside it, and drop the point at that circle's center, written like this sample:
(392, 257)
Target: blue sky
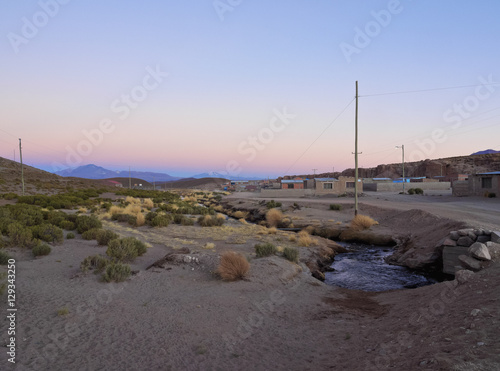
(226, 76)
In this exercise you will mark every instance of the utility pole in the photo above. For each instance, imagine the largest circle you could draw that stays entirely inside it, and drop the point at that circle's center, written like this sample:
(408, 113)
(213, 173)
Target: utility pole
(14, 155)
(154, 184)
(356, 155)
(314, 172)
(129, 179)
(403, 150)
(21, 159)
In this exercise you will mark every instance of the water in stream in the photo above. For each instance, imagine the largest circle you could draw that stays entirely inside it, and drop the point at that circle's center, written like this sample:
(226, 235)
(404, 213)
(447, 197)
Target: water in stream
(363, 268)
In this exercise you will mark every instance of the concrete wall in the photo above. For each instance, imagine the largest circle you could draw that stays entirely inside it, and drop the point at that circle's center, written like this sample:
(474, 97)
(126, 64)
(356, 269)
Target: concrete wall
(460, 188)
(295, 185)
(450, 258)
(398, 187)
(275, 193)
(475, 185)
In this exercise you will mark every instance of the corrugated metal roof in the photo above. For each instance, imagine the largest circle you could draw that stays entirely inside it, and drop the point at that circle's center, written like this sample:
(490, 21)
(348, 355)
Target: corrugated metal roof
(291, 181)
(326, 179)
(490, 173)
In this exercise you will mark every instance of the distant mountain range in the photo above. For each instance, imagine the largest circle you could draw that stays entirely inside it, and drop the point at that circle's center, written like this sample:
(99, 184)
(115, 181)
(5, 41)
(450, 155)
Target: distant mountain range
(97, 172)
(485, 152)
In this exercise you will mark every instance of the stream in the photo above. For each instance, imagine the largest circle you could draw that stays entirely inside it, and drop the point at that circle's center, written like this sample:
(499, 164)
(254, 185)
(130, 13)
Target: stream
(363, 268)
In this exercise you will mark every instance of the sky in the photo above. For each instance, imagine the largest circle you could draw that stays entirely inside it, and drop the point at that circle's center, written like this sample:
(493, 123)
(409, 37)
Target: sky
(246, 88)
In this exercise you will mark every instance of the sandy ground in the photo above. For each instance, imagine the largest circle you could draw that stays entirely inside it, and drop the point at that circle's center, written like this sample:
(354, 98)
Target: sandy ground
(182, 317)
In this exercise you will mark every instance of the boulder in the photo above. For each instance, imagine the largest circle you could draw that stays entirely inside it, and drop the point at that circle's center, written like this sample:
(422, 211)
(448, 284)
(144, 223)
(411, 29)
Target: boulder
(495, 237)
(478, 232)
(472, 236)
(487, 232)
(494, 250)
(454, 235)
(483, 239)
(465, 232)
(465, 241)
(318, 275)
(479, 251)
(448, 242)
(470, 263)
(463, 275)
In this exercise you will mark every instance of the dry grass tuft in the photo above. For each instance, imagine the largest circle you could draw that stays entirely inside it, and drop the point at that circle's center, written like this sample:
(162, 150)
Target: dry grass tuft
(274, 217)
(140, 219)
(82, 210)
(272, 230)
(361, 222)
(132, 200)
(243, 221)
(292, 238)
(310, 229)
(233, 266)
(209, 245)
(221, 216)
(305, 239)
(240, 214)
(148, 203)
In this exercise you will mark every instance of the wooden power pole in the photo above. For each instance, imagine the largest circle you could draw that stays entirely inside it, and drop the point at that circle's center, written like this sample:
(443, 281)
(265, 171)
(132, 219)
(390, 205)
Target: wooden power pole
(21, 159)
(129, 179)
(356, 155)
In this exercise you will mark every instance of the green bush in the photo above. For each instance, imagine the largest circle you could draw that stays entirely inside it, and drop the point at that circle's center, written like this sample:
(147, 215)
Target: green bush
(95, 262)
(265, 249)
(187, 221)
(67, 225)
(419, 191)
(4, 258)
(85, 222)
(210, 221)
(48, 233)
(125, 249)
(70, 236)
(116, 272)
(291, 253)
(10, 196)
(104, 236)
(160, 221)
(41, 250)
(335, 207)
(272, 204)
(411, 191)
(19, 235)
(91, 234)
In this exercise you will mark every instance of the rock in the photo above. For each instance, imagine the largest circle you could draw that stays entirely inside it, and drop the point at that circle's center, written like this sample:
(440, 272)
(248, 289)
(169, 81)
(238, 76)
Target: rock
(465, 241)
(448, 242)
(470, 263)
(478, 232)
(463, 275)
(472, 236)
(495, 237)
(480, 343)
(454, 235)
(465, 232)
(475, 312)
(483, 238)
(493, 249)
(318, 275)
(487, 232)
(479, 251)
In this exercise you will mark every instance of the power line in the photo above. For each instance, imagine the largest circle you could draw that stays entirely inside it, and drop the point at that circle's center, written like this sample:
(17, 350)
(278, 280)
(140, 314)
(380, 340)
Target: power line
(320, 135)
(425, 90)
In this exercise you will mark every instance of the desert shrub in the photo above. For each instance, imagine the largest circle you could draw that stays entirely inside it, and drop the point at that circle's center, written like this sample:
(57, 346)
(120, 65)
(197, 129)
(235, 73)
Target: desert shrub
(335, 207)
(91, 234)
(272, 230)
(272, 204)
(103, 236)
(209, 245)
(178, 218)
(48, 233)
(95, 262)
(27, 215)
(4, 258)
(63, 311)
(85, 222)
(232, 266)
(291, 253)
(361, 222)
(411, 191)
(67, 225)
(419, 191)
(116, 272)
(19, 235)
(160, 221)
(292, 238)
(140, 220)
(41, 250)
(265, 249)
(10, 196)
(274, 217)
(305, 239)
(187, 221)
(132, 200)
(125, 249)
(70, 236)
(209, 221)
(491, 195)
